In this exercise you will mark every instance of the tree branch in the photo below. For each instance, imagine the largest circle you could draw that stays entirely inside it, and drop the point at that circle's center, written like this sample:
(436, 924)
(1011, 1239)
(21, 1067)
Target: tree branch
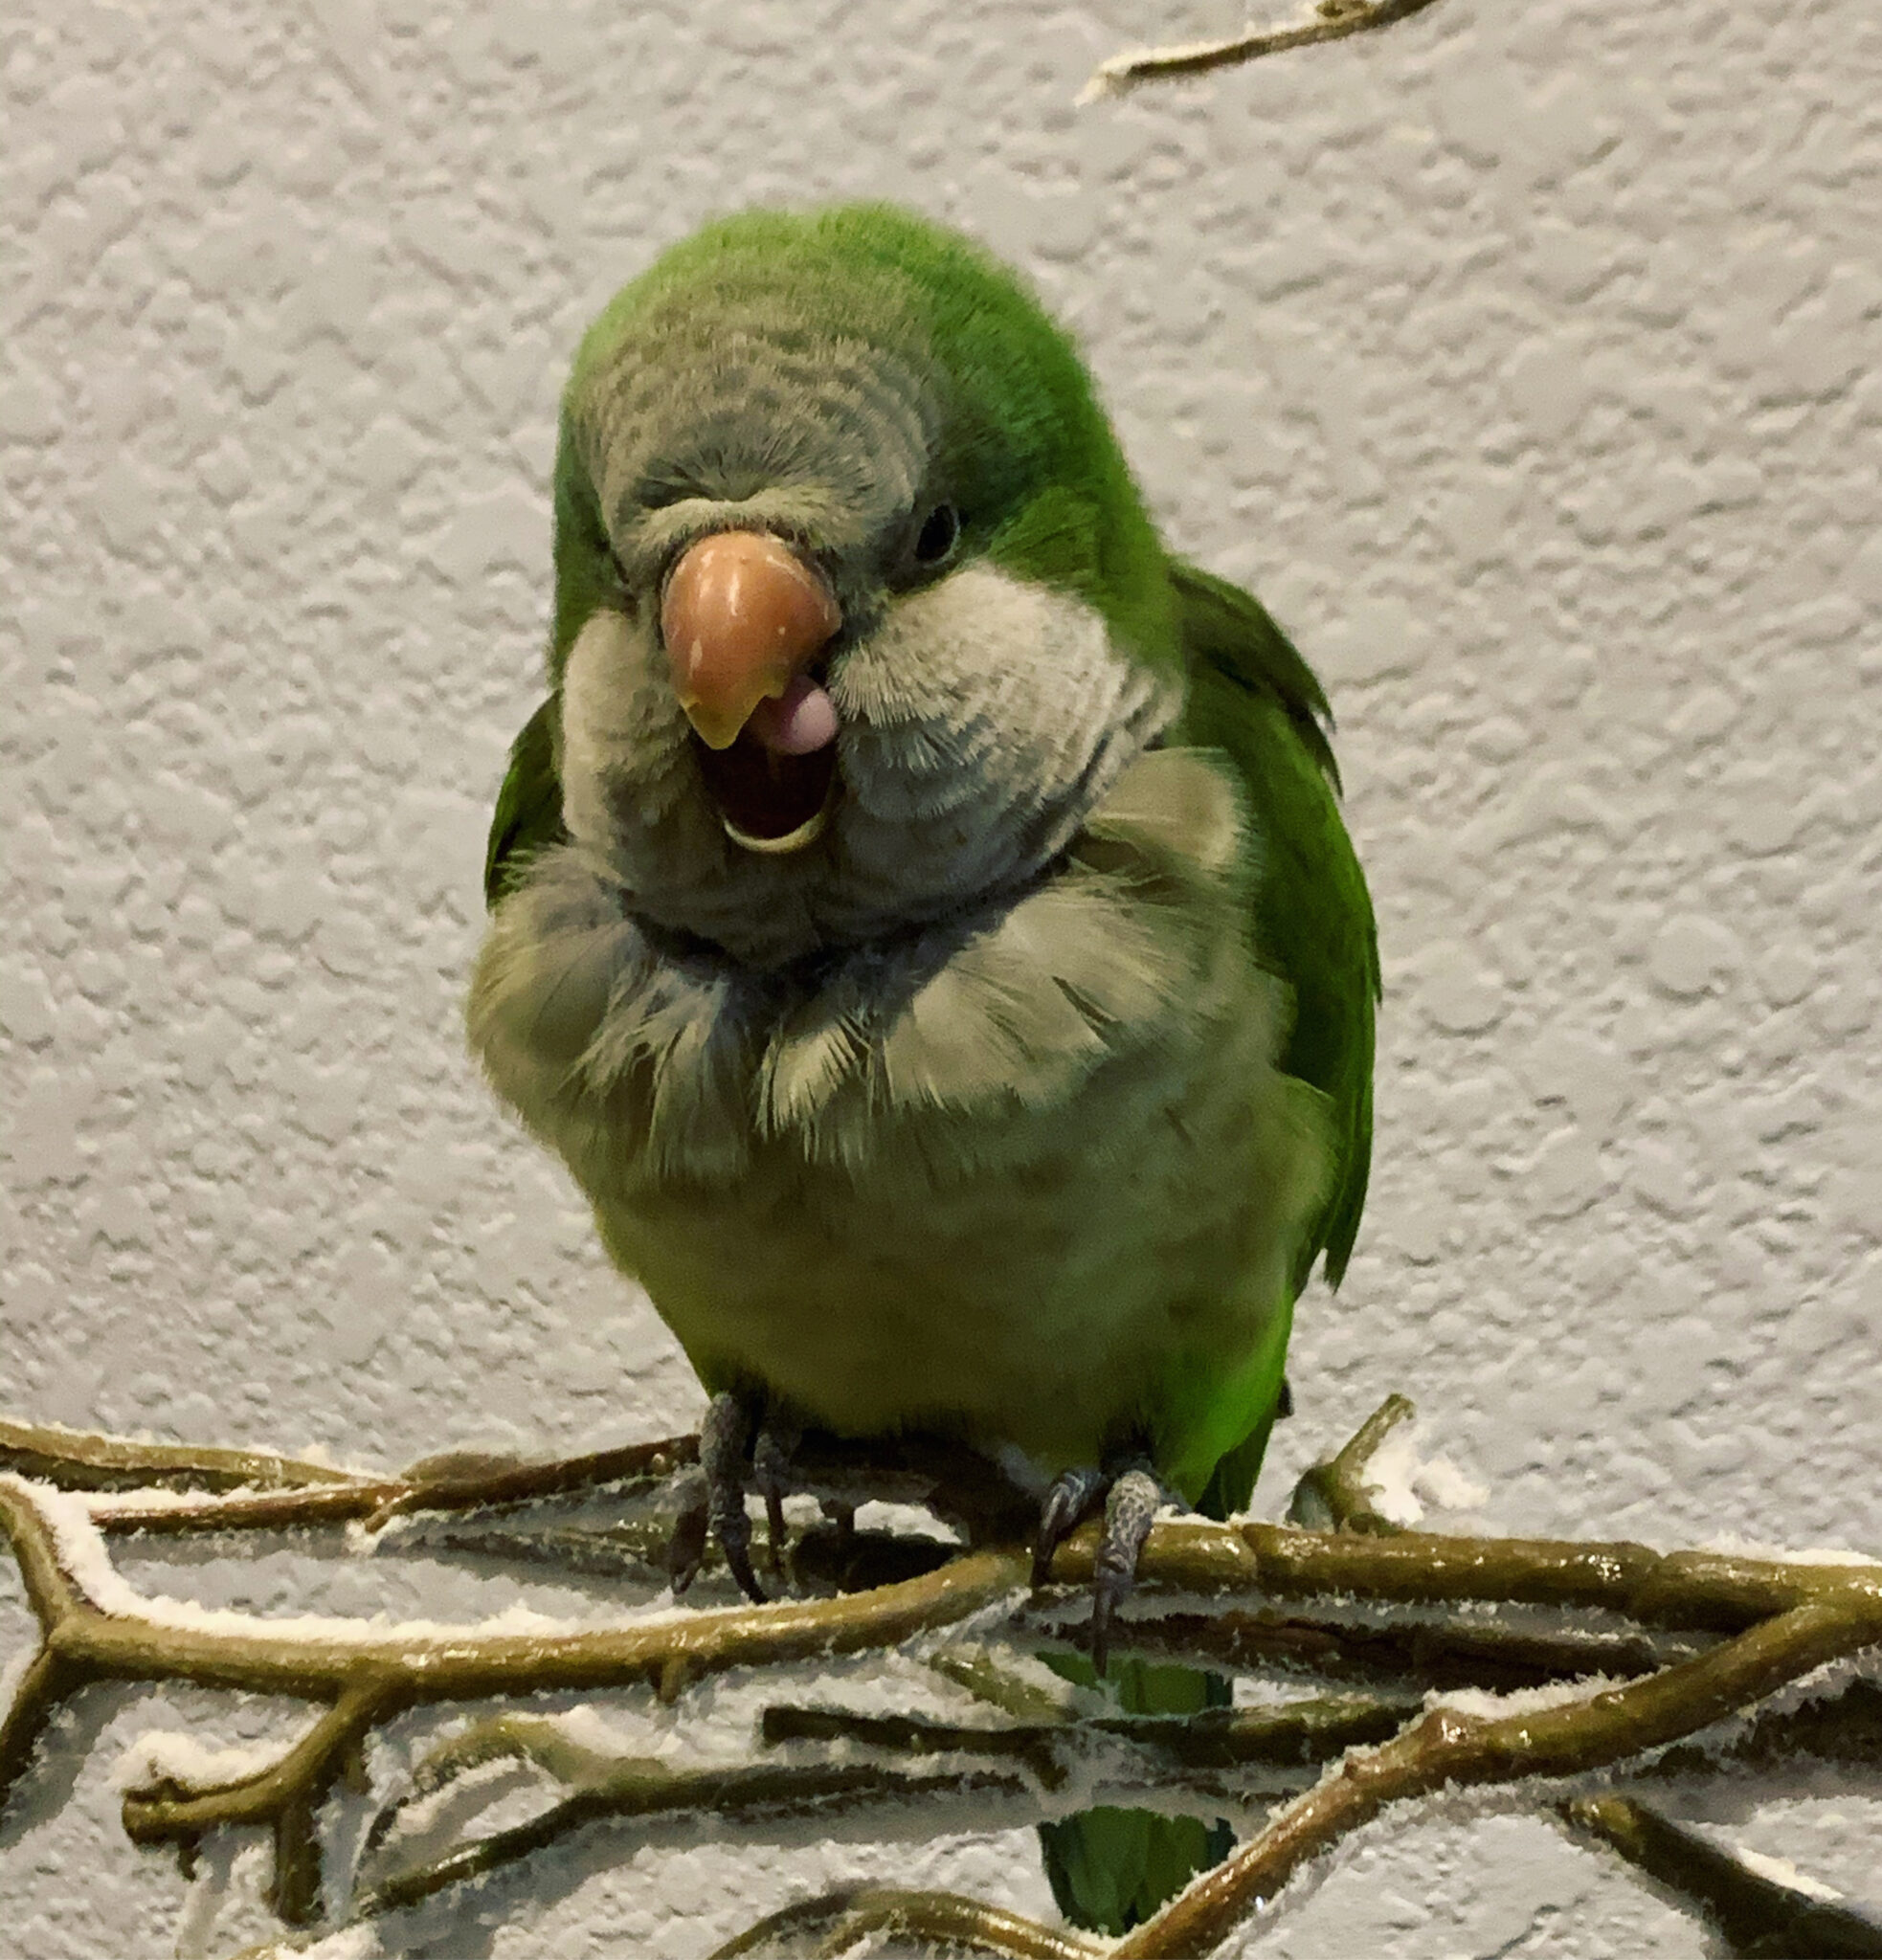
(1782, 1616)
(1334, 20)
(1752, 1913)
(79, 1461)
(285, 1796)
(1448, 1748)
(941, 1919)
(1335, 1496)
(1419, 1653)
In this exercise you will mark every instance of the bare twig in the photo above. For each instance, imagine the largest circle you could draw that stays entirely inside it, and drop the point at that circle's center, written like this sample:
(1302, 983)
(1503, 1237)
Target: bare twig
(1449, 1653)
(1334, 1495)
(1332, 21)
(1782, 1616)
(367, 1672)
(602, 1786)
(285, 1796)
(848, 1917)
(1288, 1737)
(77, 1461)
(1753, 1912)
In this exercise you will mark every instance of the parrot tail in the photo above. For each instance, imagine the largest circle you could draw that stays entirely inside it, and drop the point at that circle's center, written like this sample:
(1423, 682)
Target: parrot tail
(1110, 1868)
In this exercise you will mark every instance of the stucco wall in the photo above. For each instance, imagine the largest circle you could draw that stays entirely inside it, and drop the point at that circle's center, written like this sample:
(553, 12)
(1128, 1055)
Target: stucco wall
(1524, 359)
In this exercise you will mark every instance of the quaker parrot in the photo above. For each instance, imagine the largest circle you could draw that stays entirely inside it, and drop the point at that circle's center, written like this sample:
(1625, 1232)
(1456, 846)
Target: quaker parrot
(921, 916)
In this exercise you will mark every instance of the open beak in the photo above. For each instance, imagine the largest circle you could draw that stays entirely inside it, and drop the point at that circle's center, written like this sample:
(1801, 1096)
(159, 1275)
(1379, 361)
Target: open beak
(744, 618)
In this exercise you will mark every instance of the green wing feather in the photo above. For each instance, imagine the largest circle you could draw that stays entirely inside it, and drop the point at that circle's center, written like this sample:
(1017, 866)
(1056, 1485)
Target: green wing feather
(1252, 696)
(528, 814)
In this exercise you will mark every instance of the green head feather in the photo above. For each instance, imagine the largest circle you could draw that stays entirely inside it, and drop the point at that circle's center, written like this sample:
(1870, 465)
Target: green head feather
(962, 358)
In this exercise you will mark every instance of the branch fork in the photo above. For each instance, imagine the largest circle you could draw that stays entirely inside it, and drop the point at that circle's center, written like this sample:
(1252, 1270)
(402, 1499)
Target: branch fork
(1714, 1636)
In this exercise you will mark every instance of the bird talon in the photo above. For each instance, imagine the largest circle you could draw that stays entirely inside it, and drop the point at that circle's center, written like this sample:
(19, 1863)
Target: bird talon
(686, 1549)
(1075, 1494)
(770, 1470)
(1130, 1507)
(712, 1503)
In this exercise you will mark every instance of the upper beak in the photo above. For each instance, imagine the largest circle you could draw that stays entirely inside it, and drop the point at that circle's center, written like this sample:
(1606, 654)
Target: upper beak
(742, 615)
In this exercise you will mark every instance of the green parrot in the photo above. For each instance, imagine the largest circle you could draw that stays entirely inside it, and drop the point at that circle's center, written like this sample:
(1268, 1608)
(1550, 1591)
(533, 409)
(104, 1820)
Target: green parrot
(921, 917)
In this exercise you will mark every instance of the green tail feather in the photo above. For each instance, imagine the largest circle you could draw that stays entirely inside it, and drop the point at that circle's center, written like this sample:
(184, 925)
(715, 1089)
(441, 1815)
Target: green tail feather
(1110, 1868)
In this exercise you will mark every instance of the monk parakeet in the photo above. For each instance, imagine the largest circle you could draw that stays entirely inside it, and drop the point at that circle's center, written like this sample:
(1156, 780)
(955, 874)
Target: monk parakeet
(921, 914)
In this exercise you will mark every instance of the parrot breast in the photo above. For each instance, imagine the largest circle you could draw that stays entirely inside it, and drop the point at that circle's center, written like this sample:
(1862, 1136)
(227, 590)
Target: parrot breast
(1030, 1176)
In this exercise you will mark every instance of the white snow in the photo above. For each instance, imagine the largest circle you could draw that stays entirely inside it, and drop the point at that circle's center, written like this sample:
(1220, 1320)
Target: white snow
(1493, 1707)
(82, 1555)
(1781, 1872)
(1404, 1480)
(1731, 1545)
(166, 1752)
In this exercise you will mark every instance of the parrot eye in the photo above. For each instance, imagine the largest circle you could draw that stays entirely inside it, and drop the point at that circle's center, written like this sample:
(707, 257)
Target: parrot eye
(939, 534)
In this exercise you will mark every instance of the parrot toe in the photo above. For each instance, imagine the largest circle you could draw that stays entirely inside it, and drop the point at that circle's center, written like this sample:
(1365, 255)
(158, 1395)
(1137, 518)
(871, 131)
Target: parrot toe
(1129, 1509)
(712, 1501)
(771, 1472)
(1075, 1494)
(1131, 1493)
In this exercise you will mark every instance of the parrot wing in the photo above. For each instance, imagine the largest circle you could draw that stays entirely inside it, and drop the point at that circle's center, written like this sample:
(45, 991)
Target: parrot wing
(1252, 696)
(528, 813)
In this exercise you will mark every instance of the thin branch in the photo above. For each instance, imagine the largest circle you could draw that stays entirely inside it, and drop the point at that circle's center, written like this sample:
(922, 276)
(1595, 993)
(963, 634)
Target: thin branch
(1686, 1591)
(1289, 1736)
(1785, 1617)
(285, 1796)
(1421, 1654)
(447, 1664)
(1334, 20)
(1336, 1496)
(1752, 1912)
(1448, 1748)
(82, 1460)
(603, 1786)
(1844, 1728)
(989, 1678)
(941, 1919)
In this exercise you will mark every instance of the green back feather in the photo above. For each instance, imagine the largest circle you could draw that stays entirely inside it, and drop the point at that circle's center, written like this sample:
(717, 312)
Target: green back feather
(528, 813)
(1252, 696)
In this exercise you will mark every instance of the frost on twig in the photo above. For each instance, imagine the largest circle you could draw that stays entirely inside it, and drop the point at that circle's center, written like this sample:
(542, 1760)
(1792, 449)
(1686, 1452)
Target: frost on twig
(1755, 1910)
(1605, 1653)
(1331, 20)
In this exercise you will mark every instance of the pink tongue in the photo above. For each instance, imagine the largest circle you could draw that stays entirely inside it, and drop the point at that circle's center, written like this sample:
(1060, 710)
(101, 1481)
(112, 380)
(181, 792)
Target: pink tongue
(799, 721)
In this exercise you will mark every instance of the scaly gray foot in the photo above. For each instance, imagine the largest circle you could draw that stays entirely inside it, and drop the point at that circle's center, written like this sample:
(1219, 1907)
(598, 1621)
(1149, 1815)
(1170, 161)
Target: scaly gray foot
(1131, 1493)
(771, 1472)
(1129, 1509)
(1075, 1494)
(712, 1501)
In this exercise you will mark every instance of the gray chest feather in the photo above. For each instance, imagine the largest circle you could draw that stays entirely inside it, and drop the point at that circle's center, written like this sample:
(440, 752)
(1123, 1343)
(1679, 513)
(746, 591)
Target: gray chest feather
(986, 1176)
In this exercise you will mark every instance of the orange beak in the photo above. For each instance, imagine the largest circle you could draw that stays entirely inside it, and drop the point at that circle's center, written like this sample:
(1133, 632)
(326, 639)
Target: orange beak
(743, 615)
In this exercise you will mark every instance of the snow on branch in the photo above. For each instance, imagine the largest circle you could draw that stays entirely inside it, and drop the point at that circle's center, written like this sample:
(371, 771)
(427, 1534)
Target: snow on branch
(1433, 1691)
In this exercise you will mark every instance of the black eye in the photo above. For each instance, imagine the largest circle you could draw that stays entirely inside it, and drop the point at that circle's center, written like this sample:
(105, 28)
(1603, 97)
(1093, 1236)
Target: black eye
(939, 534)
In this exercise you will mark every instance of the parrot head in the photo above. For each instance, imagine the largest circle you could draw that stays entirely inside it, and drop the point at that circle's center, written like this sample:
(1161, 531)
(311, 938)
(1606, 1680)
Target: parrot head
(857, 611)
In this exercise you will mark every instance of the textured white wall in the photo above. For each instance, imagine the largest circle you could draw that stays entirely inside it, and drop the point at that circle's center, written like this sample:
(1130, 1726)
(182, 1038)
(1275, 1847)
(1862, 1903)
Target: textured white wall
(1523, 358)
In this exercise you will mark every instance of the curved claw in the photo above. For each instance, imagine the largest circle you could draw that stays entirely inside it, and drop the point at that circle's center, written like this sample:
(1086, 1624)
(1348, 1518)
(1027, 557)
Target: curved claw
(686, 1549)
(1128, 1511)
(712, 1505)
(770, 1470)
(1075, 1494)
(732, 1528)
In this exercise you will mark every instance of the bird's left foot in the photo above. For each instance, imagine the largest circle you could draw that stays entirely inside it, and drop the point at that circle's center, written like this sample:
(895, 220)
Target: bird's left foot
(712, 1505)
(1132, 1493)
